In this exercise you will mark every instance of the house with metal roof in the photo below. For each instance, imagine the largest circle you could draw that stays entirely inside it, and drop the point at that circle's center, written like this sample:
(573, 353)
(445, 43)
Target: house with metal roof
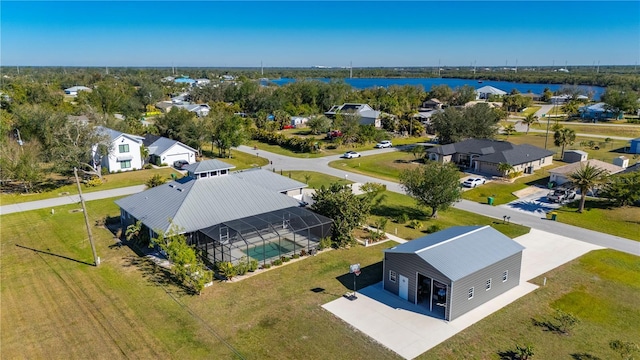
(484, 155)
(597, 111)
(454, 270)
(560, 175)
(228, 215)
(73, 91)
(201, 110)
(163, 150)
(485, 92)
(123, 153)
(367, 115)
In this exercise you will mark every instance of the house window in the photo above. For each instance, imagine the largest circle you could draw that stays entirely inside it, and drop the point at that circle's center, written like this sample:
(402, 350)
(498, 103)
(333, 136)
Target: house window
(124, 148)
(125, 164)
(505, 275)
(203, 175)
(470, 294)
(213, 173)
(392, 276)
(223, 172)
(488, 285)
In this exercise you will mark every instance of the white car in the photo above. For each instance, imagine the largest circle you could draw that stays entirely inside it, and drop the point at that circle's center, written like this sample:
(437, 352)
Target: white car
(473, 182)
(384, 144)
(351, 155)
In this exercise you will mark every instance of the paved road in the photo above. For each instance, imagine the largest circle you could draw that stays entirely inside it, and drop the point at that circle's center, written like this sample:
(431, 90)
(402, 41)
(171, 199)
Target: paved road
(322, 165)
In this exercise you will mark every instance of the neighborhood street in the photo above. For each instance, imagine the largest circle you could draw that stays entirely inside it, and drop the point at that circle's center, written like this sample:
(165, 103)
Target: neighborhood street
(321, 164)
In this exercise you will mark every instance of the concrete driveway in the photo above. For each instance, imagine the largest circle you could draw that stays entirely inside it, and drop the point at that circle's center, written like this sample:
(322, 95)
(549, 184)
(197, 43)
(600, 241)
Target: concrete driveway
(406, 329)
(535, 204)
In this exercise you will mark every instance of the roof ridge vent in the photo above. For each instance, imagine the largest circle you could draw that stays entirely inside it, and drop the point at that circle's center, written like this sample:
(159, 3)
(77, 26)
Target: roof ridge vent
(180, 189)
(171, 185)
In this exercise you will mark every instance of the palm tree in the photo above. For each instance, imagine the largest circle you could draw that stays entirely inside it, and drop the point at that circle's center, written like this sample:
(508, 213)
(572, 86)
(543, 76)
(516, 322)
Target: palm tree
(564, 137)
(505, 168)
(587, 178)
(529, 120)
(509, 129)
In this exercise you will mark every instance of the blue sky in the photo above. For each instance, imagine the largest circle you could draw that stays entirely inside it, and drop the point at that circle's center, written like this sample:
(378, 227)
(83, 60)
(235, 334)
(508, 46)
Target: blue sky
(307, 33)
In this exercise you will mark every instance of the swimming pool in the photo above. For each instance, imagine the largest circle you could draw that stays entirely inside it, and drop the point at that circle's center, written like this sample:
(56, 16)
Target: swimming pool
(272, 249)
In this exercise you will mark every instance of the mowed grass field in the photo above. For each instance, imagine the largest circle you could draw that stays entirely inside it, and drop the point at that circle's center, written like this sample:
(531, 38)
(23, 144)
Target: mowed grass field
(599, 216)
(54, 305)
(601, 289)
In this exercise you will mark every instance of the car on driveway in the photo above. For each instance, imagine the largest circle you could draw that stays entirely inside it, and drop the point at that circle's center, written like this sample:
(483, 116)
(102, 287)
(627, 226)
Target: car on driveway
(351, 155)
(179, 164)
(561, 195)
(473, 182)
(383, 144)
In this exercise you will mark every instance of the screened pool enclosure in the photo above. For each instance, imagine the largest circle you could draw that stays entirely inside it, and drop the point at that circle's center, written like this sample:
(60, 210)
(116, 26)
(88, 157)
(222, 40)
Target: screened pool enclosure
(264, 237)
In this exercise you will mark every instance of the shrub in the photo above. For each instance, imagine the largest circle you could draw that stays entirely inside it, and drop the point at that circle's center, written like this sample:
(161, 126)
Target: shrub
(295, 256)
(325, 243)
(155, 180)
(148, 166)
(266, 266)
(433, 228)
(104, 170)
(242, 267)
(227, 269)
(94, 182)
(415, 224)
(285, 259)
(402, 218)
(253, 265)
(303, 252)
(164, 164)
(276, 262)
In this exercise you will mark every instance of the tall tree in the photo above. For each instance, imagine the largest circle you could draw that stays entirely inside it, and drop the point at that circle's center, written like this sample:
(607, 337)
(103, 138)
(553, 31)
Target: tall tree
(509, 129)
(346, 209)
(586, 179)
(433, 185)
(530, 119)
(319, 124)
(620, 101)
(440, 92)
(563, 137)
(623, 189)
(463, 95)
(226, 132)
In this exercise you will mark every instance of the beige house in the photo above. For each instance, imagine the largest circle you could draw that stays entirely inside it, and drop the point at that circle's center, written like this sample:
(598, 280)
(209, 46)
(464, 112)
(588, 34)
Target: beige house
(484, 155)
(560, 175)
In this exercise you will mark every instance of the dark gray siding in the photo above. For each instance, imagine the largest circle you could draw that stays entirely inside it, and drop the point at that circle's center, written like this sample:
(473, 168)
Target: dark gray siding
(459, 302)
(408, 265)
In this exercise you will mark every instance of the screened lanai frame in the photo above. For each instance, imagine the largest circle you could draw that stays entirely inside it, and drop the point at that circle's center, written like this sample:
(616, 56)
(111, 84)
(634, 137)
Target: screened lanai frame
(264, 237)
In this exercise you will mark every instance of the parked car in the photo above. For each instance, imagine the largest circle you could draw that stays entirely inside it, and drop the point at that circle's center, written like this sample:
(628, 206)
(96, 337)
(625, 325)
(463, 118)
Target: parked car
(384, 144)
(179, 164)
(473, 182)
(561, 195)
(351, 155)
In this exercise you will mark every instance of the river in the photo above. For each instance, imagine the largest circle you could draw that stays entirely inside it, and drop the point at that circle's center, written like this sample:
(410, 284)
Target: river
(363, 83)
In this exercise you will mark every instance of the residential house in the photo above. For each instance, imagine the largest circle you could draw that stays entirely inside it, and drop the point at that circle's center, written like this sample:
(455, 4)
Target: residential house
(201, 110)
(163, 150)
(164, 106)
(454, 270)
(168, 79)
(366, 113)
(229, 216)
(73, 91)
(124, 151)
(432, 104)
(561, 99)
(184, 80)
(596, 112)
(634, 147)
(297, 121)
(560, 175)
(202, 82)
(487, 91)
(484, 156)
(571, 156)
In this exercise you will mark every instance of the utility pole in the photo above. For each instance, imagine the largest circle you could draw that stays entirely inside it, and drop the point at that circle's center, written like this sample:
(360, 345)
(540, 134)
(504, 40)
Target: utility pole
(261, 69)
(438, 67)
(516, 65)
(350, 69)
(96, 259)
(598, 68)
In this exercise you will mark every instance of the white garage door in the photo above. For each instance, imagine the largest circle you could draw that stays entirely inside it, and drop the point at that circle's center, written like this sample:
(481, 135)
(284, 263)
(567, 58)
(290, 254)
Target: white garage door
(169, 159)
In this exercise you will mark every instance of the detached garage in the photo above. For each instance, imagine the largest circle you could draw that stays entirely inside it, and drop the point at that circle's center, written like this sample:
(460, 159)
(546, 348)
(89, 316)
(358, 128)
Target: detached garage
(453, 271)
(166, 151)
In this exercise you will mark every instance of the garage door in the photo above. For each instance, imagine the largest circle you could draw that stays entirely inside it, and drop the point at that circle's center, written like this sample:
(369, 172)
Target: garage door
(169, 159)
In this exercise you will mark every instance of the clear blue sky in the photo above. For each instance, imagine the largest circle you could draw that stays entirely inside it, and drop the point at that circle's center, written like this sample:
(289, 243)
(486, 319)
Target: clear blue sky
(305, 33)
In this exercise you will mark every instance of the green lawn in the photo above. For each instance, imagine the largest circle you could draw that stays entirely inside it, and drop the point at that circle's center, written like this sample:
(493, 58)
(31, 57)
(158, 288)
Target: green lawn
(316, 179)
(238, 159)
(631, 131)
(58, 307)
(112, 181)
(530, 110)
(598, 216)
(502, 191)
(600, 288)
(385, 166)
(395, 204)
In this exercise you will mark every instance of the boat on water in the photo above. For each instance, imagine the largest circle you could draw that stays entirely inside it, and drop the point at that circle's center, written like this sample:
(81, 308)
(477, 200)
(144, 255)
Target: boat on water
(479, 81)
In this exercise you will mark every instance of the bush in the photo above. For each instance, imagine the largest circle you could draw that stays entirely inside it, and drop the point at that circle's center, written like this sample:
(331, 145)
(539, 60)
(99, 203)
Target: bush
(104, 170)
(294, 143)
(148, 166)
(285, 259)
(266, 266)
(402, 218)
(253, 265)
(295, 256)
(433, 228)
(227, 269)
(303, 252)
(276, 262)
(93, 182)
(242, 267)
(325, 243)
(155, 180)
(415, 224)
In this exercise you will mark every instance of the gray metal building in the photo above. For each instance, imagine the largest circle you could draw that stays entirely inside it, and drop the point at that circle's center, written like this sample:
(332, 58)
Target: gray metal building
(453, 271)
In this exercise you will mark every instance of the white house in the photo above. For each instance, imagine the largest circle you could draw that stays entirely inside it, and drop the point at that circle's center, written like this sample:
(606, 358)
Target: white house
(561, 175)
(367, 115)
(124, 151)
(73, 91)
(165, 151)
(201, 110)
(298, 120)
(202, 82)
(486, 91)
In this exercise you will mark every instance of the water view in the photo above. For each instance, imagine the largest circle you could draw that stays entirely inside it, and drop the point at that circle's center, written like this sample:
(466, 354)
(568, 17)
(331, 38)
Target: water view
(362, 83)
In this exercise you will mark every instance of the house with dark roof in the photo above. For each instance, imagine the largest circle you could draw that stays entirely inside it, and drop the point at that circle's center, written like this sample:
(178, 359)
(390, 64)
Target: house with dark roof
(484, 155)
(229, 216)
(454, 270)
(367, 115)
(123, 153)
(163, 150)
